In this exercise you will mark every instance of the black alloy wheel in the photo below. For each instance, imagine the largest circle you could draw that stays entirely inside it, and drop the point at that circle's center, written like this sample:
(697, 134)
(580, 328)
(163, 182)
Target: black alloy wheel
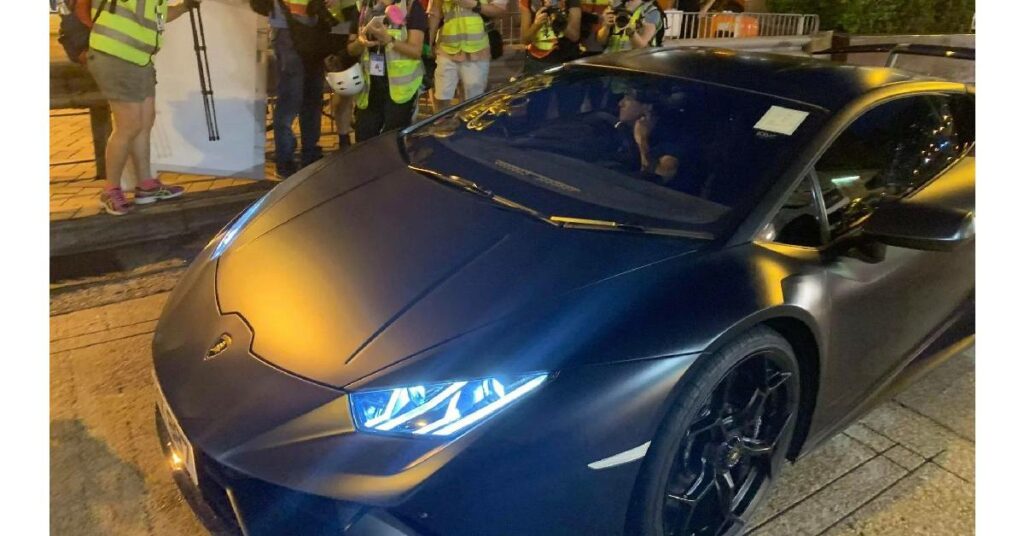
(724, 440)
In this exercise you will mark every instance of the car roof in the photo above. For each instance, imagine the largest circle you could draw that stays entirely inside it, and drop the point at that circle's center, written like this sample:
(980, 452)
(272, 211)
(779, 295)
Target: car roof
(821, 83)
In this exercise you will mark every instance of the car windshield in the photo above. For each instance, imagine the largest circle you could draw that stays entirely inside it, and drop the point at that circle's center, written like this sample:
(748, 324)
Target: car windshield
(636, 149)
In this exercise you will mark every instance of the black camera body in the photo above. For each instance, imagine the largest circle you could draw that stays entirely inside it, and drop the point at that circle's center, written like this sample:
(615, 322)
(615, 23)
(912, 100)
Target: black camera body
(622, 16)
(557, 17)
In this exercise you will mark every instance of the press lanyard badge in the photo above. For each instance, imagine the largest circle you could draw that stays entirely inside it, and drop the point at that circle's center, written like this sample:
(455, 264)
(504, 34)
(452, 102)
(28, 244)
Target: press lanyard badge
(376, 64)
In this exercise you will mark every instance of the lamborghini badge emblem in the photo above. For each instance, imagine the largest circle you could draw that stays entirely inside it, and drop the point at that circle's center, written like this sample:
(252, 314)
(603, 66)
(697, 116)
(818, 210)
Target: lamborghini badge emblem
(218, 347)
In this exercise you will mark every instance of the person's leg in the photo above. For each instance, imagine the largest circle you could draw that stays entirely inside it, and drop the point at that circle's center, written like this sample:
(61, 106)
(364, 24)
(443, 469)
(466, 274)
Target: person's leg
(140, 146)
(474, 77)
(127, 125)
(398, 116)
(312, 108)
(370, 120)
(149, 189)
(343, 107)
(446, 79)
(289, 101)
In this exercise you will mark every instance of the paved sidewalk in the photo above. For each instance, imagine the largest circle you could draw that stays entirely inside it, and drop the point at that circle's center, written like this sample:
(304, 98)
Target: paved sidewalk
(74, 188)
(906, 468)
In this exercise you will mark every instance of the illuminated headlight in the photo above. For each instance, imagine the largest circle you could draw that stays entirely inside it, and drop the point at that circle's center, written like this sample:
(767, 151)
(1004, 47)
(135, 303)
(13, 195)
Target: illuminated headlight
(224, 239)
(442, 409)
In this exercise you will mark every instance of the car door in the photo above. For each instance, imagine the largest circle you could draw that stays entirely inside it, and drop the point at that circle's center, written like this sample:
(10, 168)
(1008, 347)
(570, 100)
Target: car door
(885, 303)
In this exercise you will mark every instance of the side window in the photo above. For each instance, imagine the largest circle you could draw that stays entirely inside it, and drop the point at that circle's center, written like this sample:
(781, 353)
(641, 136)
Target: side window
(885, 154)
(797, 223)
(962, 107)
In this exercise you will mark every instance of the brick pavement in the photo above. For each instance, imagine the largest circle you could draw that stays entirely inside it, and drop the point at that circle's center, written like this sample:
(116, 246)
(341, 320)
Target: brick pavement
(906, 468)
(74, 188)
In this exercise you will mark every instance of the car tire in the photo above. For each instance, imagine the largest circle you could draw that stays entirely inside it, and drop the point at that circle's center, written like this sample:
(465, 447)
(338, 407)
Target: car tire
(708, 433)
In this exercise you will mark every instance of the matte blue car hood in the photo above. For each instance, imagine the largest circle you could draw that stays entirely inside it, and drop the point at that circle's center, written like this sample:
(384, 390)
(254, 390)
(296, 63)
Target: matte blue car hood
(362, 265)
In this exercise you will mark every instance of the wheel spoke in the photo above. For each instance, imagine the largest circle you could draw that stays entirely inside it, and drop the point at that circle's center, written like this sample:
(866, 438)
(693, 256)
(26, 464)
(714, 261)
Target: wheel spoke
(699, 487)
(756, 447)
(729, 448)
(750, 413)
(726, 491)
(777, 380)
(720, 398)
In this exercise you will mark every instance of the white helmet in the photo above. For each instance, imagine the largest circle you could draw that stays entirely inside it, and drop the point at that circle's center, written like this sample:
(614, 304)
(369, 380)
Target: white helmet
(348, 82)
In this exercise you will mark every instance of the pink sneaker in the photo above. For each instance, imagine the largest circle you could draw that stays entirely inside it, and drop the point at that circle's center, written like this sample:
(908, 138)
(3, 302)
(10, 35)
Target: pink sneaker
(152, 190)
(112, 200)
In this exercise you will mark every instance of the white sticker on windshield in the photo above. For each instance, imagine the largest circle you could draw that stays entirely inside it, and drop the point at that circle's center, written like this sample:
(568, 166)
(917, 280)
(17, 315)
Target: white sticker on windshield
(781, 120)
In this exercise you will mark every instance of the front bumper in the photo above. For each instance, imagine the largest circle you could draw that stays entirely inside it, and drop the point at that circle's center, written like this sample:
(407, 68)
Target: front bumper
(230, 502)
(277, 454)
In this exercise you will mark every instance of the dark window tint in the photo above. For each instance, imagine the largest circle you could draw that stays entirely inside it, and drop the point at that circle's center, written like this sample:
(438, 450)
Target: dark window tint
(637, 149)
(887, 153)
(797, 223)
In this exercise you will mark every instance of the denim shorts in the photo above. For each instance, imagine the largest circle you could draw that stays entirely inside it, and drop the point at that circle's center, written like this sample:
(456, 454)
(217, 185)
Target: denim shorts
(120, 80)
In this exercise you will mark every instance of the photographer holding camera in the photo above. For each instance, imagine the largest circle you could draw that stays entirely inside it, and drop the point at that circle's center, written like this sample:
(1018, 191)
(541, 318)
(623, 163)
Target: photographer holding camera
(550, 31)
(628, 25)
(389, 43)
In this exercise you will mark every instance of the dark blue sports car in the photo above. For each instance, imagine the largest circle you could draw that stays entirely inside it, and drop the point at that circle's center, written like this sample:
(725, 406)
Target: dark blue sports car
(615, 297)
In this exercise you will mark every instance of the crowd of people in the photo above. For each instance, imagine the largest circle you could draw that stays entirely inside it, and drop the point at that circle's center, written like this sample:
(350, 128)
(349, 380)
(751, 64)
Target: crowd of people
(394, 49)
(380, 55)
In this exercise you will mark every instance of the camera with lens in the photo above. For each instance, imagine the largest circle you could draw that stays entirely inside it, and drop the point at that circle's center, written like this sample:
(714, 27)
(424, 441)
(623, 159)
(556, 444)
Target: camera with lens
(557, 18)
(622, 16)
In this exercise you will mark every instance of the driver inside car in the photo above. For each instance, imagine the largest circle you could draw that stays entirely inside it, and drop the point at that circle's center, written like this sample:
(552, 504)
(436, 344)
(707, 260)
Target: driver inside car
(648, 139)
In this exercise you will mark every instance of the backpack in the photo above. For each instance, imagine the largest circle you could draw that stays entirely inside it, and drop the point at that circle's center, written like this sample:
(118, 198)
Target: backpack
(494, 38)
(313, 42)
(76, 26)
(659, 35)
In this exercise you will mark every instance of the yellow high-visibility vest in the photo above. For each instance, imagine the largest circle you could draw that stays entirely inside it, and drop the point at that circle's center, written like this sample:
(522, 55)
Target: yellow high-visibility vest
(544, 41)
(131, 32)
(405, 75)
(463, 29)
(337, 9)
(618, 40)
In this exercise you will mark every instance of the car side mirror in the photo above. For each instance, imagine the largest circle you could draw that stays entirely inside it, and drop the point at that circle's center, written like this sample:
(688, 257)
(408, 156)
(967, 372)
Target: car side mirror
(920, 226)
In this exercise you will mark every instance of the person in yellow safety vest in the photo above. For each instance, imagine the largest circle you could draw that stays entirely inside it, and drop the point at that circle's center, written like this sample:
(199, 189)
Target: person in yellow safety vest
(619, 32)
(461, 47)
(550, 29)
(390, 43)
(591, 23)
(124, 39)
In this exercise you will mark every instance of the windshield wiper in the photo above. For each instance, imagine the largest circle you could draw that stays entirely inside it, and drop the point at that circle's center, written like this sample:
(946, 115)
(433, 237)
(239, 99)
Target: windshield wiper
(604, 225)
(473, 188)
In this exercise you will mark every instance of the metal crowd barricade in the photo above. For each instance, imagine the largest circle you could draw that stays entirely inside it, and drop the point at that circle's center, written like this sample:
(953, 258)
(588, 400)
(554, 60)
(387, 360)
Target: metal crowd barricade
(726, 25)
(693, 25)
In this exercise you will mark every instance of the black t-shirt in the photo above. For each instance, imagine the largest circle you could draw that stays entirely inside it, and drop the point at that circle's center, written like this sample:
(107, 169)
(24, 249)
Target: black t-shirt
(664, 141)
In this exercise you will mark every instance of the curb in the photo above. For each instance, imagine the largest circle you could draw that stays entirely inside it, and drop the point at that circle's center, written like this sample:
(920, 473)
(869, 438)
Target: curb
(205, 211)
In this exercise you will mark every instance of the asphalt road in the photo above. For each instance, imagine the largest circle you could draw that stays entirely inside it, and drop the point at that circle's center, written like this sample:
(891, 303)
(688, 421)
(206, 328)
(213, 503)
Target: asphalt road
(907, 468)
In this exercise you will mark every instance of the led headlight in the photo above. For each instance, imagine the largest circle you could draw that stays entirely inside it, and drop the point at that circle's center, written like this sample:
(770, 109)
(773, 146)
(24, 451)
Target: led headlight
(232, 231)
(441, 409)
